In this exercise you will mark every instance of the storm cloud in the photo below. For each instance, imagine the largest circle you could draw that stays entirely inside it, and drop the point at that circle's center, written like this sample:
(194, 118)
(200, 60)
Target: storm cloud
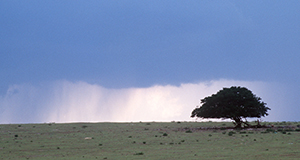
(66, 101)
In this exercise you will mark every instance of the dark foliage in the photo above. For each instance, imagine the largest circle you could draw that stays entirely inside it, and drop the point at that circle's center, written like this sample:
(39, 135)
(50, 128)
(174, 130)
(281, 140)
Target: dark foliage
(234, 103)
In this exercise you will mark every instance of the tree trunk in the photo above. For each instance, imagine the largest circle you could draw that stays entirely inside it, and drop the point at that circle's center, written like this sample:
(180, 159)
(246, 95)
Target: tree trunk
(238, 122)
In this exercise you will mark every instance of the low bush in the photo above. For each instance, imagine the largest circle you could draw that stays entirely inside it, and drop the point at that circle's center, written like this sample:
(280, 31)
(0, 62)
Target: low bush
(84, 126)
(279, 130)
(139, 153)
(188, 131)
(231, 133)
(289, 130)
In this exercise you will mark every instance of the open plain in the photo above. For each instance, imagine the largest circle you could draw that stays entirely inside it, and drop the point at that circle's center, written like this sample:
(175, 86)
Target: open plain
(149, 140)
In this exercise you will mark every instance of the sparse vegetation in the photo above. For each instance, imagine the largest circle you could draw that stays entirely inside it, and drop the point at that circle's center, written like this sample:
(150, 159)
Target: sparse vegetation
(161, 141)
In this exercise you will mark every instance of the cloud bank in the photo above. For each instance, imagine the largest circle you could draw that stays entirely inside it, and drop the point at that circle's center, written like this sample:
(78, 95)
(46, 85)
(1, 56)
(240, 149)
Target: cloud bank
(65, 101)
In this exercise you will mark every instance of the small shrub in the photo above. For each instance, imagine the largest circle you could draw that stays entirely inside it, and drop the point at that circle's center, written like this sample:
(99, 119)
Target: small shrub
(148, 123)
(231, 133)
(84, 126)
(289, 133)
(100, 144)
(144, 142)
(139, 153)
(297, 130)
(279, 130)
(58, 148)
(165, 134)
(188, 131)
(129, 136)
(264, 132)
(16, 136)
(289, 130)
(283, 132)
(254, 139)
(210, 135)
(224, 132)
(243, 132)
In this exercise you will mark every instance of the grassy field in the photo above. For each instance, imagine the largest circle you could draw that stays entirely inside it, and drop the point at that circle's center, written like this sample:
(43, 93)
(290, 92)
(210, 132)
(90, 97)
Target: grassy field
(174, 140)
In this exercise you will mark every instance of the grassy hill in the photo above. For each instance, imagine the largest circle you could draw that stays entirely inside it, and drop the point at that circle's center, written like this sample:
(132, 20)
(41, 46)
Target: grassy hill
(174, 140)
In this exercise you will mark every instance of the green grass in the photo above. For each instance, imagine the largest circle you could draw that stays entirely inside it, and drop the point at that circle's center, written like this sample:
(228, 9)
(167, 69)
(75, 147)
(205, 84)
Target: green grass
(184, 140)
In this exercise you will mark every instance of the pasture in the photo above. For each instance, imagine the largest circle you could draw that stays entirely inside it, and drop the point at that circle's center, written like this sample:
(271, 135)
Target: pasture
(149, 140)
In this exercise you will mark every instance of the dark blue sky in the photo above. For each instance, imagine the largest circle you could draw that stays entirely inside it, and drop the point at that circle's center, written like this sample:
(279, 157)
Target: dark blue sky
(132, 43)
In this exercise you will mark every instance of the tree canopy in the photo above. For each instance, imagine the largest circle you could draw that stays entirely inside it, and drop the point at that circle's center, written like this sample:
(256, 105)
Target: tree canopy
(234, 103)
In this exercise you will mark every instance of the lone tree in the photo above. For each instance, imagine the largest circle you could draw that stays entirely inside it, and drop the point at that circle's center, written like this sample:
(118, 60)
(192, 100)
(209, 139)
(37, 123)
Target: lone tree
(234, 103)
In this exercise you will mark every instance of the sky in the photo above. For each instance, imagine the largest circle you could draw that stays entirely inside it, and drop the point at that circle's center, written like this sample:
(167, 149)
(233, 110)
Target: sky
(151, 60)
